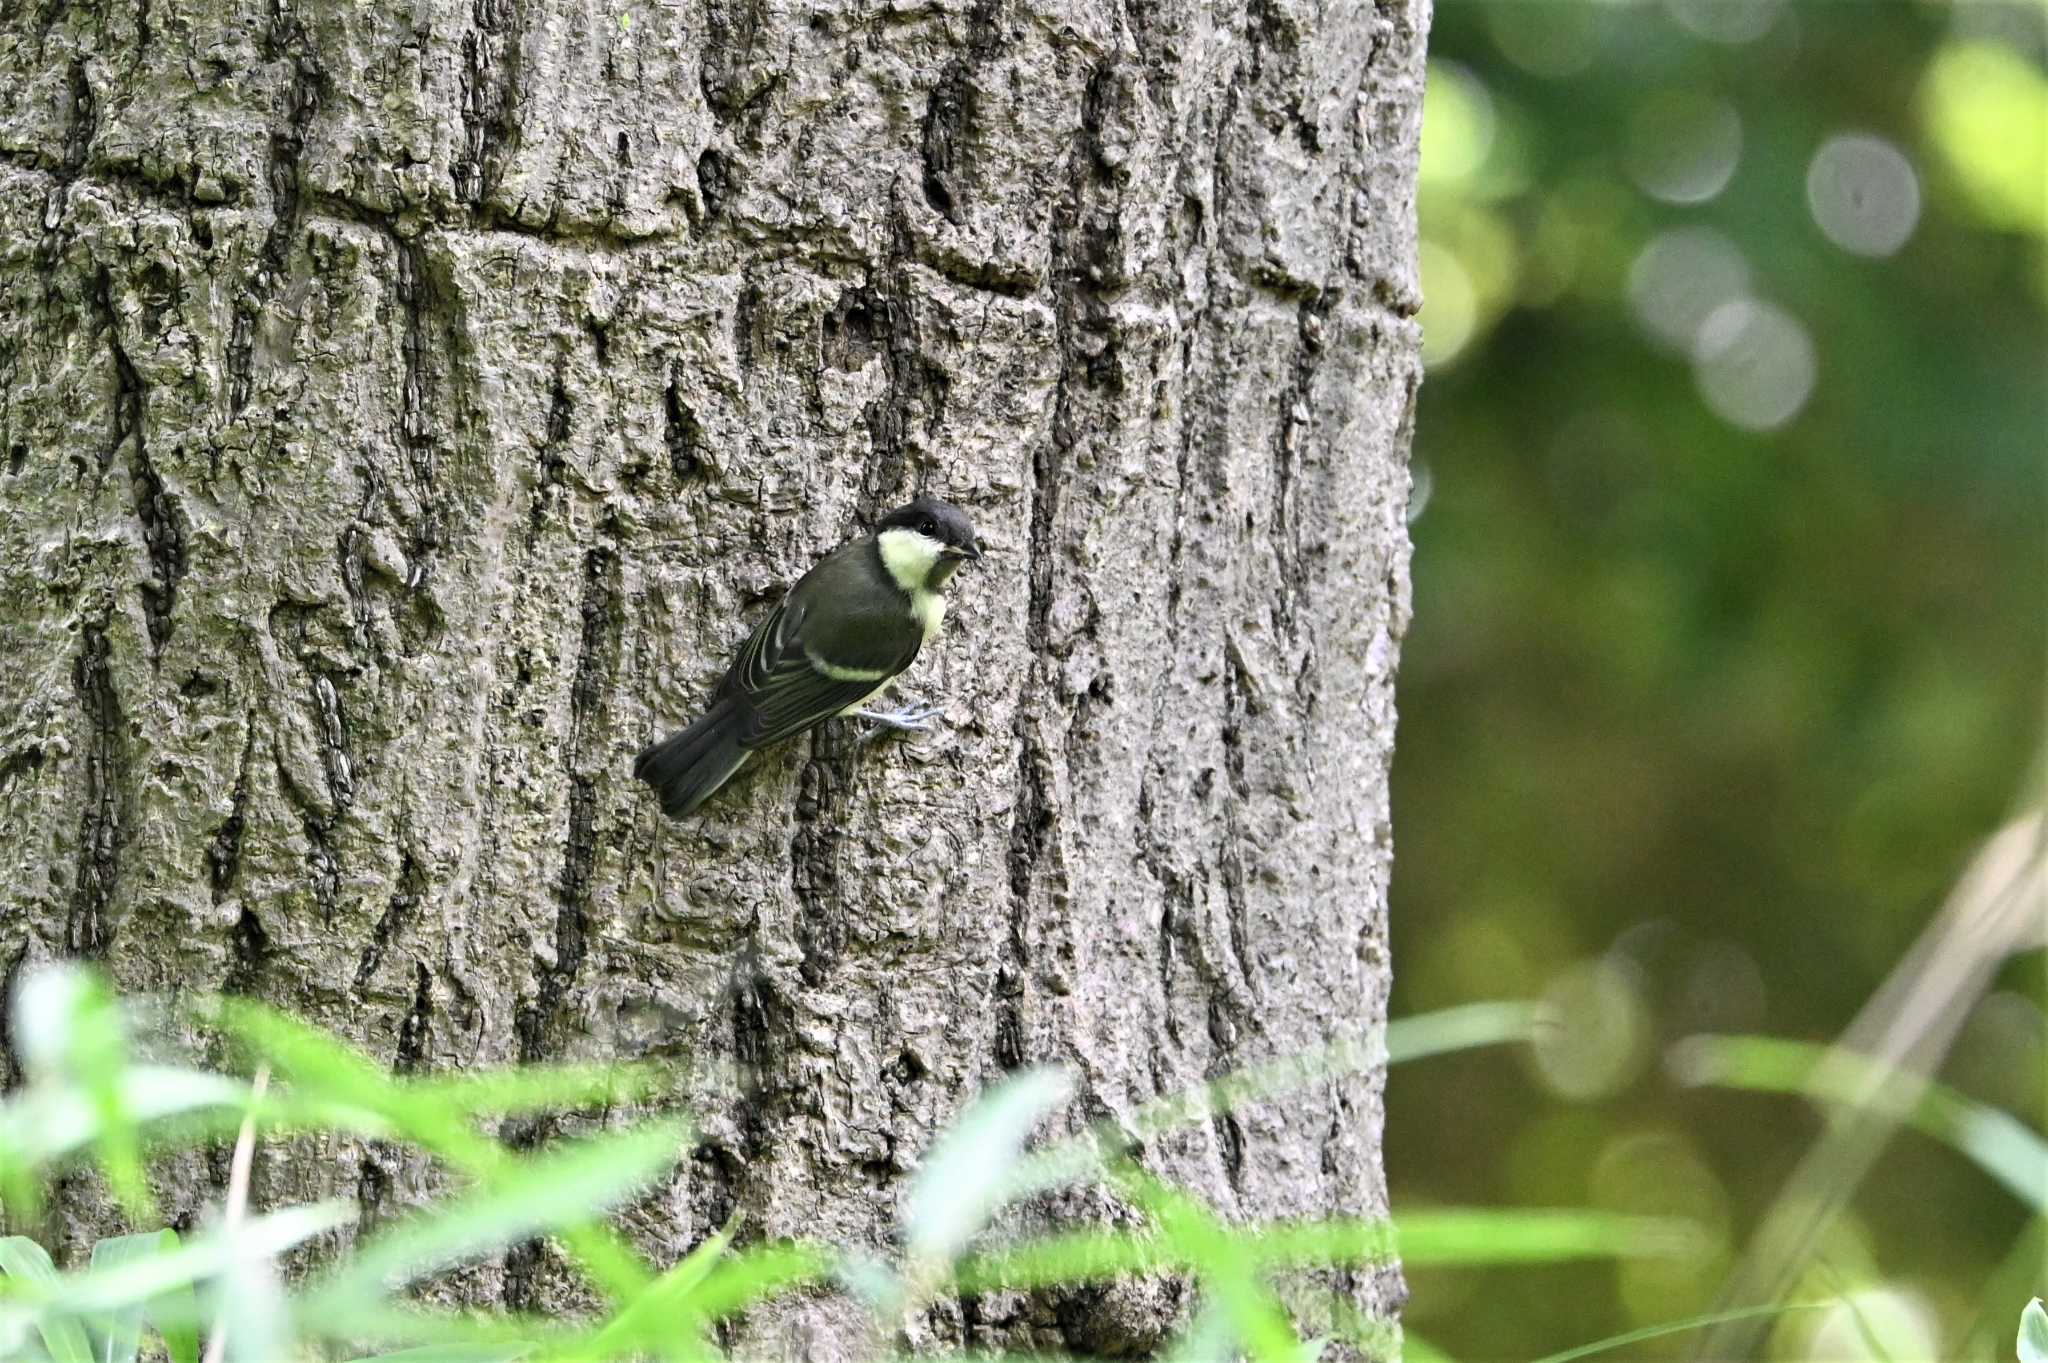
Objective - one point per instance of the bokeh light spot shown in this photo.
(1457, 124)
(1723, 991)
(1986, 108)
(1754, 363)
(1450, 308)
(1680, 278)
(1661, 1173)
(1864, 194)
(1725, 21)
(1421, 482)
(1592, 1032)
(1886, 1323)
(1682, 146)
(1553, 41)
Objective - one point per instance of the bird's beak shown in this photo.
(969, 552)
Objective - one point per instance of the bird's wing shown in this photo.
(803, 665)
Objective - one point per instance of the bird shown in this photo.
(848, 627)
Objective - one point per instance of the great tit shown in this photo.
(847, 628)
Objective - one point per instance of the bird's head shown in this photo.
(924, 542)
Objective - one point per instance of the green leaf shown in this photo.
(303, 1054)
(567, 1187)
(173, 1313)
(1996, 1141)
(1227, 1273)
(1463, 1028)
(962, 1181)
(146, 1278)
(1078, 1256)
(537, 1088)
(2033, 1340)
(440, 1114)
(1459, 1237)
(71, 1033)
(1438, 1033)
(50, 1120)
(23, 1259)
(1443, 1238)
(453, 1353)
(666, 1308)
(758, 1272)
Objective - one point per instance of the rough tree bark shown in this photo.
(404, 405)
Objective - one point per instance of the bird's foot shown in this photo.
(910, 719)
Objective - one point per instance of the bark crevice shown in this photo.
(224, 856)
(285, 41)
(490, 85)
(163, 536)
(102, 821)
(540, 1023)
(392, 923)
(316, 822)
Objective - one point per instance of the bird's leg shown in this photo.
(908, 719)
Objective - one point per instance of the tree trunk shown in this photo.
(406, 409)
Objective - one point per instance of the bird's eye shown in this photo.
(928, 526)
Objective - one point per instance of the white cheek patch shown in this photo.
(909, 557)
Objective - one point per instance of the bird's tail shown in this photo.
(687, 766)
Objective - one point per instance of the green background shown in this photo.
(1717, 675)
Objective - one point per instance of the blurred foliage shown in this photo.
(1729, 637)
(88, 1102)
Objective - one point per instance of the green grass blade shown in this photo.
(1995, 1141)
(439, 1114)
(302, 1053)
(98, 1063)
(1675, 1327)
(547, 1193)
(758, 1272)
(1448, 1238)
(117, 1336)
(29, 1263)
(1454, 1237)
(666, 1308)
(1466, 1027)
(1078, 1256)
(961, 1182)
(1219, 1258)
(1428, 1034)
(454, 1353)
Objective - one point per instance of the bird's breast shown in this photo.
(928, 608)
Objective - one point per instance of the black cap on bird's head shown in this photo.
(943, 534)
(936, 520)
